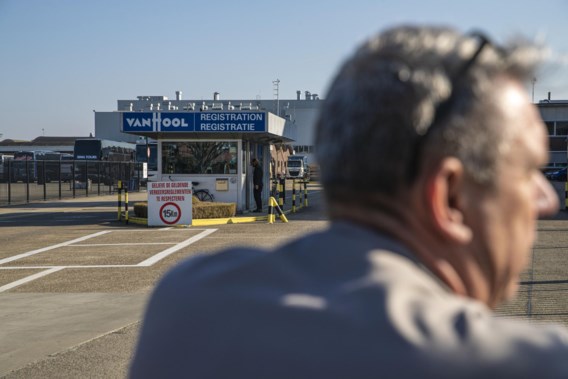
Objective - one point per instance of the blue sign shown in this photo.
(157, 121)
(231, 122)
(137, 122)
(174, 122)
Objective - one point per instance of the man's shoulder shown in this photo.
(312, 257)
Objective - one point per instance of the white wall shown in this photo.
(108, 125)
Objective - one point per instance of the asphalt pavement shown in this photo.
(74, 281)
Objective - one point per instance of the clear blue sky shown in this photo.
(62, 59)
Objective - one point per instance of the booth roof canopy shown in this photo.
(263, 137)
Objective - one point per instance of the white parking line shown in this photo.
(123, 244)
(30, 278)
(69, 266)
(150, 261)
(51, 269)
(34, 252)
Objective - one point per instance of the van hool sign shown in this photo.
(232, 122)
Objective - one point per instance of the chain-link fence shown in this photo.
(24, 181)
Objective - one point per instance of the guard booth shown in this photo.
(212, 148)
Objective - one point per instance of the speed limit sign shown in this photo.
(169, 203)
(170, 213)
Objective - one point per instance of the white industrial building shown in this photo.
(238, 130)
(555, 116)
(301, 114)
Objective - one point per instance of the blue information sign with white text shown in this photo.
(232, 122)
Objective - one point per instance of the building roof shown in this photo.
(41, 141)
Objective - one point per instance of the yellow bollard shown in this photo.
(119, 199)
(279, 210)
(293, 195)
(126, 204)
(270, 211)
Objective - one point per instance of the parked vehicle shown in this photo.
(35, 166)
(100, 160)
(67, 167)
(298, 167)
(557, 176)
(4, 161)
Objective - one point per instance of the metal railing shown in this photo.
(28, 181)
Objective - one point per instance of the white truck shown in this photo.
(4, 162)
(298, 167)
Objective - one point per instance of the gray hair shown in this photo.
(386, 97)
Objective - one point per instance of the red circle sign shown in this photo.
(170, 213)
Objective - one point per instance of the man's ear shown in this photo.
(446, 200)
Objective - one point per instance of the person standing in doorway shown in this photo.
(257, 182)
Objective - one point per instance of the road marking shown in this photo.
(124, 244)
(34, 252)
(150, 261)
(30, 278)
(51, 269)
(71, 266)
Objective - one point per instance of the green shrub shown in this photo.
(141, 209)
(205, 209)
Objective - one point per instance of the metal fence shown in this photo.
(27, 181)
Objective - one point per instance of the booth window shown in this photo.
(199, 158)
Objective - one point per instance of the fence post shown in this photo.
(27, 182)
(9, 181)
(73, 179)
(44, 179)
(139, 174)
(86, 178)
(99, 177)
(59, 177)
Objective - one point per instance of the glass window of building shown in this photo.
(562, 128)
(550, 127)
(199, 157)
